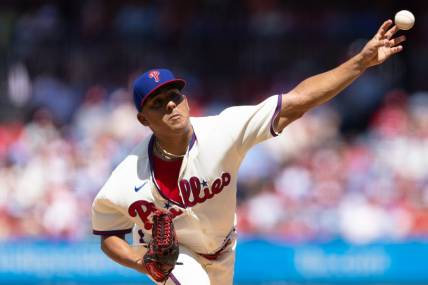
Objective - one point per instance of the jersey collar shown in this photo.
(151, 158)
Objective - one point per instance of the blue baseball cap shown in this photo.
(150, 81)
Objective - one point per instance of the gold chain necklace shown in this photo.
(165, 154)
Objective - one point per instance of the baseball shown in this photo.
(404, 20)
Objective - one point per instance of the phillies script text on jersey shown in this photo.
(191, 194)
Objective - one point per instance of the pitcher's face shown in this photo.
(166, 112)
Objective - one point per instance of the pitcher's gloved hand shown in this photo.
(162, 254)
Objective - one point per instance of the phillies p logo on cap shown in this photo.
(154, 74)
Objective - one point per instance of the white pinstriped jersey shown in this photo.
(207, 180)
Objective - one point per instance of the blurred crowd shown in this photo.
(313, 183)
(310, 183)
(354, 169)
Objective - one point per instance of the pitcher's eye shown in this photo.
(157, 103)
(176, 97)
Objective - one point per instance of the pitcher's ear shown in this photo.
(142, 119)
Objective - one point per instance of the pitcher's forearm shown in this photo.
(119, 250)
(320, 88)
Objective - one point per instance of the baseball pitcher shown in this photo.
(176, 191)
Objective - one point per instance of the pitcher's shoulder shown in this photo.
(141, 149)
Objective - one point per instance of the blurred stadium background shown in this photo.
(340, 197)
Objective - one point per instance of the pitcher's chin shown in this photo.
(180, 127)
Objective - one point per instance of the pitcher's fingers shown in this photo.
(384, 28)
(380, 43)
(396, 49)
(397, 41)
(391, 32)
